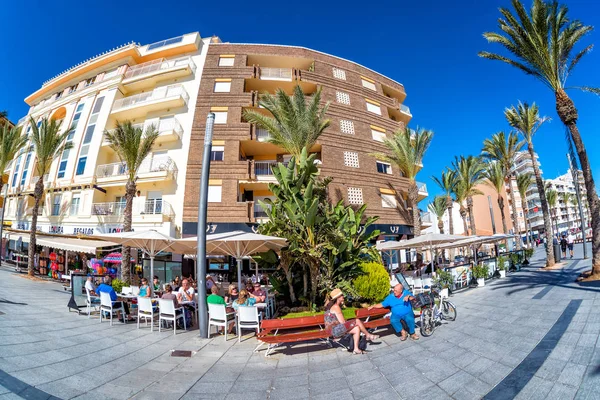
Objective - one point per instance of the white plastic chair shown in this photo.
(145, 311)
(247, 319)
(418, 286)
(410, 281)
(218, 316)
(90, 303)
(427, 282)
(135, 290)
(107, 305)
(168, 312)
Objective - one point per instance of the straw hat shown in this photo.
(335, 293)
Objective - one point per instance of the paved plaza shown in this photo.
(532, 335)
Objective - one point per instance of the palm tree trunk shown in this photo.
(285, 263)
(314, 280)
(305, 282)
(527, 229)
(450, 222)
(471, 216)
(441, 226)
(37, 194)
(568, 115)
(413, 198)
(463, 215)
(127, 218)
(502, 213)
(513, 207)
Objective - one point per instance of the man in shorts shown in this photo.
(570, 242)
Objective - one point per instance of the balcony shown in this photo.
(150, 73)
(404, 109)
(160, 98)
(275, 74)
(262, 135)
(426, 219)
(152, 169)
(154, 209)
(259, 212)
(422, 190)
(169, 130)
(264, 170)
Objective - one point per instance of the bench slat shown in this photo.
(294, 337)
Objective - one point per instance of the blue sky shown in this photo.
(431, 47)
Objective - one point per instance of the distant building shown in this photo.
(567, 216)
(524, 165)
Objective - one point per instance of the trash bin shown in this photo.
(556, 253)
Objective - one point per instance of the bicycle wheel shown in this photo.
(448, 311)
(427, 322)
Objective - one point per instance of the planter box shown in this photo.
(502, 274)
(481, 282)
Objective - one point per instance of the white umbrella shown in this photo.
(428, 240)
(150, 242)
(237, 244)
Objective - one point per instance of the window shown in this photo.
(222, 86)
(58, 95)
(74, 210)
(347, 126)
(217, 153)
(214, 194)
(226, 61)
(72, 89)
(355, 195)
(56, 204)
(111, 73)
(373, 107)
(384, 168)
(351, 159)
(378, 135)
(369, 84)
(81, 166)
(220, 117)
(339, 73)
(25, 169)
(388, 200)
(16, 172)
(90, 82)
(89, 133)
(343, 98)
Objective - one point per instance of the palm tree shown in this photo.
(567, 198)
(132, 146)
(48, 144)
(523, 183)
(469, 174)
(526, 120)
(504, 149)
(495, 178)
(460, 196)
(11, 142)
(407, 148)
(552, 198)
(446, 182)
(542, 44)
(438, 207)
(297, 122)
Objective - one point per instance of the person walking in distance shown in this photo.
(570, 243)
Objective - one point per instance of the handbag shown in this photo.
(348, 342)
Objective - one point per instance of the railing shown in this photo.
(421, 187)
(262, 135)
(405, 109)
(151, 164)
(259, 212)
(426, 218)
(55, 209)
(276, 74)
(160, 93)
(21, 120)
(158, 65)
(263, 168)
(35, 179)
(148, 207)
(170, 125)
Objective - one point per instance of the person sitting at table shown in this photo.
(89, 285)
(232, 294)
(249, 286)
(258, 294)
(210, 282)
(243, 300)
(169, 295)
(176, 284)
(156, 283)
(144, 288)
(186, 292)
(107, 288)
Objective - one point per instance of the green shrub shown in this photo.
(515, 259)
(374, 284)
(444, 278)
(480, 271)
(118, 284)
(501, 260)
(528, 253)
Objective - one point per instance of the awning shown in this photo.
(62, 243)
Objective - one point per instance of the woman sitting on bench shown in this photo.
(337, 326)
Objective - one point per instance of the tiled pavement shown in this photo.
(531, 335)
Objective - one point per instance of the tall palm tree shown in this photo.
(446, 182)
(438, 207)
(460, 196)
(523, 183)
(504, 149)
(469, 174)
(494, 174)
(527, 121)
(542, 44)
(48, 144)
(296, 122)
(132, 145)
(567, 198)
(552, 198)
(407, 148)
(11, 142)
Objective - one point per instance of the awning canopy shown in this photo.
(63, 243)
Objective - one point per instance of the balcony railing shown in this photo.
(421, 187)
(159, 65)
(259, 212)
(426, 218)
(35, 179)
(405, 109)
(265, 168)
(148, 207)
(160, 93)
(276, 74)
(152, 164)
(262, 135)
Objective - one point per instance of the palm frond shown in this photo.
(11, 142)
(48, 143)
(438, 206)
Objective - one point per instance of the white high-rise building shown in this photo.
(566, 215)
(524, 165)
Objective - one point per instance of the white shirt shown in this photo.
(190, 293)
(90, 286)
(570, 239)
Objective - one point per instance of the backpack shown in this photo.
(348, 342)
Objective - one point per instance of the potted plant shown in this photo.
(445, 280)
(501, 261)
(515, 262)
(528, 255)
(480, 272)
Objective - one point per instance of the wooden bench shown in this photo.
(373, 319)
(275, 332)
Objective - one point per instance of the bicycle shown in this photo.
(431, 313)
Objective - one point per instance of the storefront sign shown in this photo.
(56, 229)
(83, 231)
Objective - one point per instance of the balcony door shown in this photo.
(153, 202)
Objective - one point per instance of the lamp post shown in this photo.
(575, 174)
(202, 205)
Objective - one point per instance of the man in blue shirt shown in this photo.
(399, 303)
(107, 288)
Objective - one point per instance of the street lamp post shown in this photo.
(202, 205)
(575, 174)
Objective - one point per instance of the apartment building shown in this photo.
(365, 108)
(155, 84)
(532, 205)
(566, 216)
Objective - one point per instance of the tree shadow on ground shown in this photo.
(12, 302)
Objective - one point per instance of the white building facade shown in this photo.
(532, 205)
(566, 216)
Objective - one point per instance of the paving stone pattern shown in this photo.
(510, 340)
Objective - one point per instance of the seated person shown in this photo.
(249, 287)
(89, 285)
(243, 300)
(214, 298)
(169, 295)
(258, 294)
(210, 282)
(144, 288)
(232, 294)
(156, 283)
(176, 284)
(107, 288)
(399, 302)
(186, 292)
